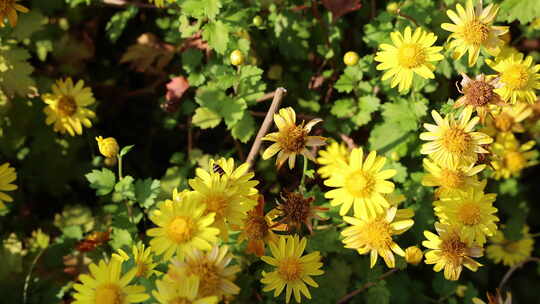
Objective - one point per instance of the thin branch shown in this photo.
(278, 96)
(350, 295)
(407, 17)
(349, 141)
(127, 3)
(266, 97)
(511, 271)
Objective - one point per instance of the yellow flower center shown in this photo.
(210, 277)
(451, 179)
(360, 183)
(142, 269)
(515, 77)
(293, 139)
(66, 106)
(475, 32)
(378, 234)
(478, 93)
(453, 249)
(504, 122)
(456, 141)
(217, 203)
(411, 55)
(290, 269)
(256, 228)
(511, 246)
(469, 214)
(181, 229)
(295, 209)
(109, 294)
(515, 161)
(180, 301)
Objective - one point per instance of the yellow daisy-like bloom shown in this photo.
(66, 107)
(183, 226)
(508, 119)
(7, 176)
(479, 93)
(510, 252)
(453, 142)
(411, 53)
(413, 255)
(520, 78)
(450, 251)
(143, 258)
(374, 235)
(450, 179)
(472, 211)
(183, 291)
(511, 157)
(472, 29)
(9, 8)
(213, 270)
(361, 184)
(108, 147)
(293, 270)
(329, 159)
(495, 298)
(291, 139)
(229, 194)
(107, 285)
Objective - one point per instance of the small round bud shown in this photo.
(237, 58)
(257, 21)
(350, 58)
(108, 147)
(394, 156)
(392, 7)
(413, 255)
(110, 161)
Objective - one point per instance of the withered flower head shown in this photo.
(295, 210)
(479, 93)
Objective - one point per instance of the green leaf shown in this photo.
(125, 150)
(15, 71)
(343, 108)
(205, 118)
(201, 8)
(191, 59)
(378, 294)
(146, 192)
(43, 47)
(102, 181)
(124, 189)
(73, 232)
(216, 33)
(28, 24)
(251, 86)
(523, 10)
(231, 110)
(120, 238)
(366, 106)
(244, 129)
(405, 113)
(116, 25)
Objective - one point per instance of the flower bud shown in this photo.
(413, 255)
(350, 58)
(392, 7)
(108, 147)
(237, 58)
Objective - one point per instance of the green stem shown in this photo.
(302, 187)
(27, 279)
(119, 166)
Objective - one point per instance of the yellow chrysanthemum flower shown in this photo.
(472, 29)
(107, 285)
(411, 53)
(510, 252)
(361, 184)
(453, 142)
(374, 235)
(108, 147)
(471, 211)
(450, 251)
(7, 176)
(229, 194)
(495, 298)
(291, 139)
(479, 93)
(9, 8)
(510, 157)
(143, 258)
(66, 107)
(450, 179)
(293, 270)
(329, 158)
(213, 270)
(507, 119)
(413, 255)
(183, 291)
(183, 226)
(520, 78)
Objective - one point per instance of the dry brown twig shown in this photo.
(367, 285)
(510, 271)
(278, 96)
